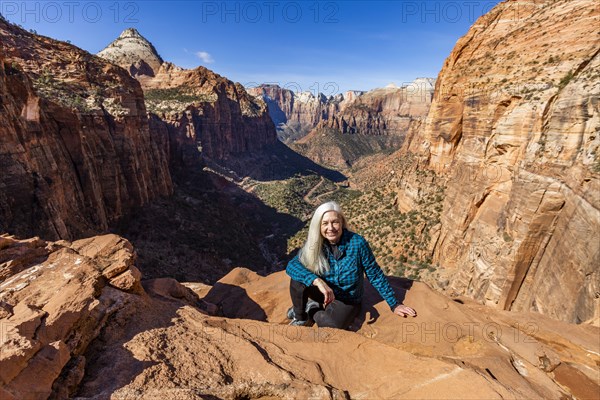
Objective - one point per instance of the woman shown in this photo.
(328, 274)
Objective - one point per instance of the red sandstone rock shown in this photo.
(129, 281)
(513, 131)
(450, 350)
(339, 130)
(75, 147)
(162, 343)
(57, 307)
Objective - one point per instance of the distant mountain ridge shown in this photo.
(296, 114)
(339, 130)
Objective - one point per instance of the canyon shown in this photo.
(146, 210)
(76, 148)
(82, 154)
(338, 130)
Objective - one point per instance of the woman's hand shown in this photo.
(325, 289)
(404, 311)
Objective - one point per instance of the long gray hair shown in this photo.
(311, 254)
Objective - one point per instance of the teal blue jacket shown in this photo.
(346, 274)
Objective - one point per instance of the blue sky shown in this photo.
(326, 46)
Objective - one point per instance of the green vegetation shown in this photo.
(173, 99)
(11, 68)
(596, 164)
(361, 106)
(170, 94)
(565, 80)
(47, 86)
(331, 146)
(542, 144)
(288, 196)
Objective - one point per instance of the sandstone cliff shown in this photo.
(296, 114)
(376, 121)
(383, 111)
(77, 323)
(75, 145)
(514, 131)
(218, 115)
(200, 107)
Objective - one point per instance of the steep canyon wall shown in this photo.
(75, 145)
(514, 129)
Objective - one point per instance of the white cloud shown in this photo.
(205, 57)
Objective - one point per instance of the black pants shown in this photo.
(336, 315)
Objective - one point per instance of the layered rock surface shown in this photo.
(383, 111)
(75, 145)
(216, 114)
(296, 114)
(339, 130)
(53, 305)
(514, 130)
(78, 320)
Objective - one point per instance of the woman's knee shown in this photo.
(336, 315)
(324, 320)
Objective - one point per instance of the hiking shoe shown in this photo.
(290, 313)
(310, 305)
(299, 322)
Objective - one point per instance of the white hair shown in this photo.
(311, 254)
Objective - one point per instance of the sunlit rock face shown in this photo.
(515, 129)
(382, 111)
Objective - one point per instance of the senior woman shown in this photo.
(328, 274)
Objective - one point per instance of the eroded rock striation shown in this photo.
(384, 111)
(296, 114)
(216, 114)
(55, 304)
(339, 130)
(514, 130)
(76, 149)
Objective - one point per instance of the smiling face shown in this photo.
(331, 226)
